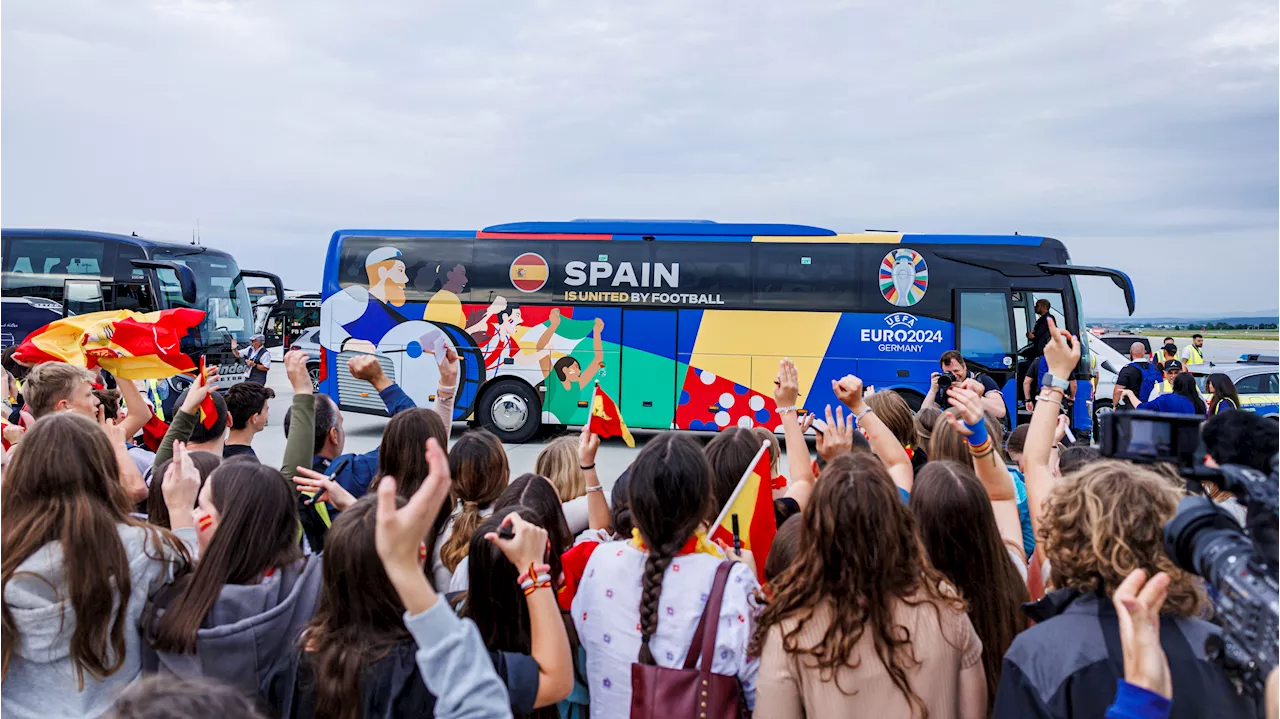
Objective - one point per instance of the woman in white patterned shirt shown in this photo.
(640, 600)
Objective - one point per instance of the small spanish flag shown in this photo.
(752, 504)
(529, 272)
(208, 410)
(129, 345)
(606, 420)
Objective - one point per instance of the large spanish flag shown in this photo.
(129, 345)
(606, 420)
(752, 502)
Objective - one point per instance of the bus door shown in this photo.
(648, 368)
(984, 336)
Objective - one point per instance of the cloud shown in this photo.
(1142, 134)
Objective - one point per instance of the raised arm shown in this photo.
(184, 422)
(139, 411)
(1062, 353)
(130, 478)
(930, 400)
(549, 643)
(598, 360)
(300, 445)
(849, 391)
(987, 464)
(447, 387)
(598, 516)
(786, 393)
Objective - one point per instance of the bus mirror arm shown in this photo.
(274, 279)
(1120, 279)
(186, 278)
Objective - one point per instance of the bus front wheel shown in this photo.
(510, 409)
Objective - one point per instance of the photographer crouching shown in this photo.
(956, 372)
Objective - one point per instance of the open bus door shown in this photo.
(984, 337)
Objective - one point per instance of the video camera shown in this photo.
(1239, 564)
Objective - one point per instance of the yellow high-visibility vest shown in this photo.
(1194, 355)
(153, 394)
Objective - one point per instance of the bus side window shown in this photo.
(805, 277)
(984, 328)
(37, 267)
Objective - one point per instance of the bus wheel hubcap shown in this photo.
(510, 412)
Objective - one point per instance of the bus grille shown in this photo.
(356, 393)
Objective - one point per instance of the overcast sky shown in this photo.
(1142, 134)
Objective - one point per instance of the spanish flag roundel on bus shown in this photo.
(529, 272)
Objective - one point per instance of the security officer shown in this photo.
(1194, 352)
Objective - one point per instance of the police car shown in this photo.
(1257, 381)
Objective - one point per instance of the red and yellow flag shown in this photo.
(208, 410)
(752, 502)
(606, 420)
(129, 345)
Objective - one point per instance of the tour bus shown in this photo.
(282, 322)
(683, 323)
(94, 271)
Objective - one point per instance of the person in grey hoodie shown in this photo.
(243, 606)
(77, 569)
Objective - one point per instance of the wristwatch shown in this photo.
(1056, 382)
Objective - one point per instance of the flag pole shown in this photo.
(724, 511)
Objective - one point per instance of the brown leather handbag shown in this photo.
(693, 692)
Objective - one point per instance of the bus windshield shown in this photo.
(220, 291)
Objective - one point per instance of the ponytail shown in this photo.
(456, 546)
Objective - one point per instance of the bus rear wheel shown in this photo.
(510, 409)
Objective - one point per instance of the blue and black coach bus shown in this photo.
(682, 322)
(93, 271)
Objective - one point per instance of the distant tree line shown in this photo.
(1228, 326)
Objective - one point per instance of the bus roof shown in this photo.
(696, 231)
(94, 235)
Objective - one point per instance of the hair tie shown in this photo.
(466, 503)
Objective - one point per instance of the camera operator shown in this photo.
(1237, 437)
(955, 371)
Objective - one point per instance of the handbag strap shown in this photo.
(704, 637)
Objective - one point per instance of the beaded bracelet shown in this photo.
(533, 571)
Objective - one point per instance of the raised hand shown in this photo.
(1060, 431)
(968, 402)
(295, 365)
(848, 390)
(400, 531)
(367, 368)
(323, 485)
(200, 390)
(448, 368)
(838, 438)
(1062, 353)
(181, 486)
(528, 546)
(1138, 603)
(13, 433)
(588, 445)
(786, 387)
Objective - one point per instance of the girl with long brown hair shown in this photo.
(861, 624)
(77, 569)
(959, 533)
(355, 658)
(641, 600)
(478, 464)
(243, 606)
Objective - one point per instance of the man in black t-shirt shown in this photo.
(1130, 377)
(954, 365)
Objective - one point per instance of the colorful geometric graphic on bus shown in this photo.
(529, 272)
(904, 277)
(710, 402)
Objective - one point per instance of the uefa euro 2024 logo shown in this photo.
(900, 320)
(904, 277)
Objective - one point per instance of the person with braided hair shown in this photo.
(621, 621)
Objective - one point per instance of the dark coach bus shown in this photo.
(95, 271)
(682, 322)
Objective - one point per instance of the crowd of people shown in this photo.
(926, 564)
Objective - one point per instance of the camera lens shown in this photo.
(1200, 537)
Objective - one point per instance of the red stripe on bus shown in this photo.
(537, 236)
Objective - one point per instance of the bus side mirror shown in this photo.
(186, 278)
(1106, 365)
